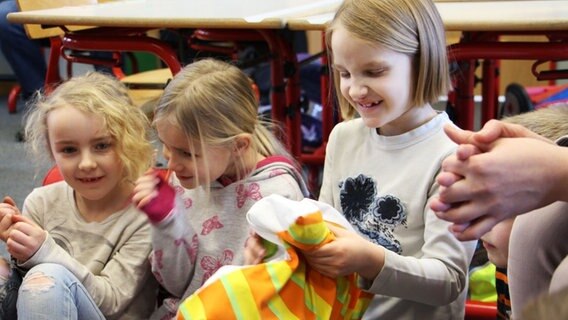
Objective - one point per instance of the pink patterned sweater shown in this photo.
(203, 233)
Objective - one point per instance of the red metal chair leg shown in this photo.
(13, 98)
(490, 91)
(464, 96)
(278, 84)
(52, 76)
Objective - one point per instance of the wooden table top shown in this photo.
(465, 15)
(269, 14)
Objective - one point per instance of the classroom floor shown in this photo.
(18, 173)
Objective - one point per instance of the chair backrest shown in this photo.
(52, 176)
(35, 31)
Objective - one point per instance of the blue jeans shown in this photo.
(50, 291)
(9, 295)
(25, 56)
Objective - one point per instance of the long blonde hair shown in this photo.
(213, 102)
(411, 27)
(100, 95)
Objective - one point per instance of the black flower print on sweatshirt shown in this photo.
(375, 216)
(356, 197)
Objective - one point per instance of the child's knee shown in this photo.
(37, 282)
(41, 278)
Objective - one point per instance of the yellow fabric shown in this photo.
(482, 283)
(281, 289)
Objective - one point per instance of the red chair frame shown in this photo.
(474, 46)
(477, 310)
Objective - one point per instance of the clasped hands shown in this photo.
(22, 236)
(499, 172)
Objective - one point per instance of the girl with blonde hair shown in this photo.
(389, 66)
(223, 160)
(80, 245)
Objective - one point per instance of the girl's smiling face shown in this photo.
(377, 82)
(85, 153)
(193, 167)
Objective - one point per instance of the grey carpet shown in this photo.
(18, 172)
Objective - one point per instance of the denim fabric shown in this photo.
(25, 56)
(50, 291)
(9, 296)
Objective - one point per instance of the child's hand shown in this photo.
(24, 238)
(145, 189)
(5, 223)
(154, 196)
(10, 201)
(347, 254)
(7, 210)
(254, 250)
(8, 206)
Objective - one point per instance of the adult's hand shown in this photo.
(499, 180)
(491, 131)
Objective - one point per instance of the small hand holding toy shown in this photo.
(154, 196)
